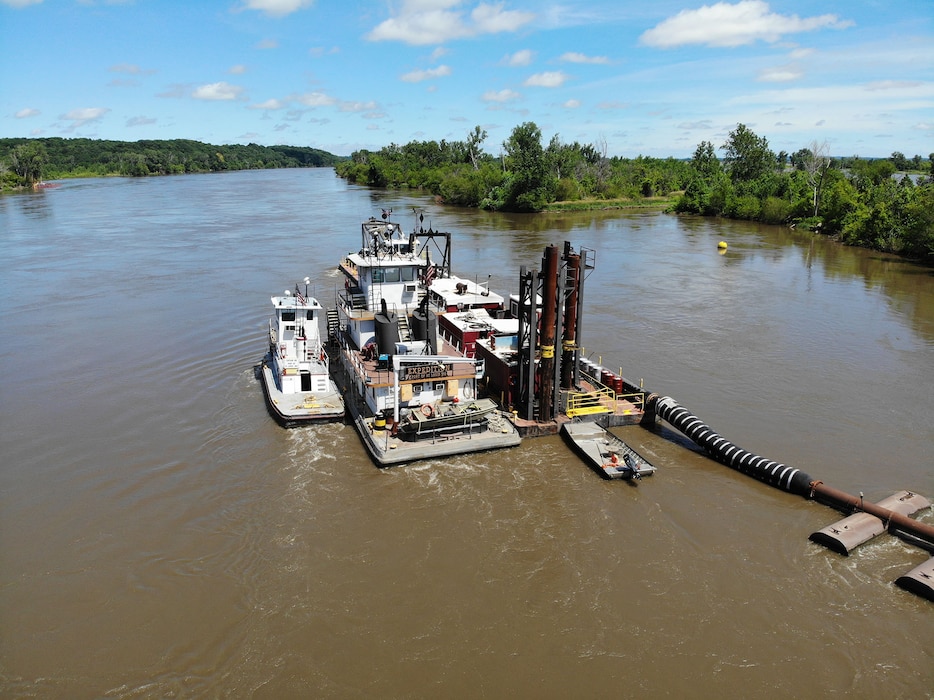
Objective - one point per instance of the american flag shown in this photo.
(429, 275)
(299, 296)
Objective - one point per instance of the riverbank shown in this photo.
(652, 203)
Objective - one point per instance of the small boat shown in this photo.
(609, 455)
(431, 418)
(295, 373)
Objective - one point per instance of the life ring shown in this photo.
(427, 410)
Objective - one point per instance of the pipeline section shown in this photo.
(780, 475)
(773, 473)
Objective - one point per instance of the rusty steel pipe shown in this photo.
(893, 521)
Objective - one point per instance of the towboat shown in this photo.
(295, 372)
(608, 454)
(411, 393)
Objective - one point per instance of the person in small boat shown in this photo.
(614, 461)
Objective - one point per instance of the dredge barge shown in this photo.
(423, 351)
(411, 393)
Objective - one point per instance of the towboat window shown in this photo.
(391, 274)
(288, 315)
(310, 315)
(408, 274)
(378, 275)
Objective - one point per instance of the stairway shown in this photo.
(405, 332)
(334, 324)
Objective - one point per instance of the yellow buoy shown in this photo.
(722, 245)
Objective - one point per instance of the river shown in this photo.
(161, 536)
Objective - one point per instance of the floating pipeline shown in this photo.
(773, 473)
(780, 475)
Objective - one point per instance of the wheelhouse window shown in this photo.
(288, 315)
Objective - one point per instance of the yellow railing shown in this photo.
(587, 403)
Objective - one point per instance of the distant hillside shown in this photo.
(80, 157)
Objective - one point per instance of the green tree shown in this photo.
(747, 156)
(27, 161)
(705, 162)
(530, 185)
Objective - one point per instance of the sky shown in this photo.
(630, 78)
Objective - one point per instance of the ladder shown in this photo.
(334, 324)
(405, 332)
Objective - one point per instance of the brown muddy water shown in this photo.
(161, 536)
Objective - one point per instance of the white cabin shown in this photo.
(299, 360)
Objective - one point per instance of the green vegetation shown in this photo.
(23, 162)
(857, 201)
(525, 177)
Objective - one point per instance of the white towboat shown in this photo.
(295, 373)
(608, 454)
(411, 393)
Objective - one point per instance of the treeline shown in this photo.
(857, 201)
(526, 176)
(26, 161)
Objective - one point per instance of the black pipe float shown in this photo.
(773, 473)
(780, 475)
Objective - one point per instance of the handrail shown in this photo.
(601, 400)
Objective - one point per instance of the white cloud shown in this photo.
(572, 104)
(238, 69)
(357, 106)
(315, 99)
(20, 3)
(723, 24)
(548, 79)
(493, 19)
(269, 104)
(574, 57)
(417, 76)
(276, 8)
(426, 22)
(140, 121)
(519, 58)
(267, 44)
(217, 91)
(703, 125)
(779, 74)
(26, 113)
(83, 116)
(893, 84)
(500, 96)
